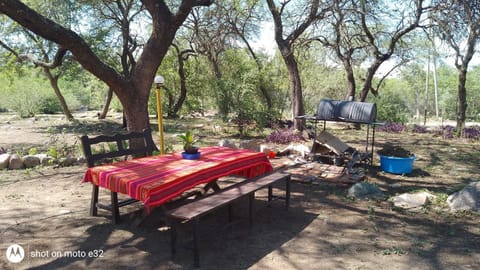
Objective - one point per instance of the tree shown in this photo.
(30, 48)
(133, 88)
(117, 16)
(182, 57)
(359, 34)
(458, 24)
(286, 44)
(209, 35)
(244, 18)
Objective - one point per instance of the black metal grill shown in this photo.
(346, 111)
(330, 110)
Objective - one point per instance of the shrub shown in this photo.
(393, 127)
(284, 136)
(419, 129)
(50, 105)
(472, 132)
(447, 132)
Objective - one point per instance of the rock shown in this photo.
(365, 190)
(45, 160)
(81, 160)
(67, 161)
(412, 200)
(15, 162)
(253, 145)
(30, 161)
(226, 143)
(4, 161)
(467, 199)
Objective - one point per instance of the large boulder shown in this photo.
(364, 190)
(30, 161)
(467, 199)
(15, 163)
(4, 161)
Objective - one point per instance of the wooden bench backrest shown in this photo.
(122, 146)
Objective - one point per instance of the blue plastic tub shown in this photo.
(396, 165)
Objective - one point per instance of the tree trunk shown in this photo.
(461, 100)
(183, 87)
(350, 78)
(296, 94)
(54, 83)
(104, 112)
(369, 78)
(136, 114)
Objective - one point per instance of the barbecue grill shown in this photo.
(362, 113)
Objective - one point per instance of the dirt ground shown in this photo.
(45, 210)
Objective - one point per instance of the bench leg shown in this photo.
(251, 198)
(230, 213)
(196, 255)
(287, 191)
(173, 239)
(115, 211)
(94, 200)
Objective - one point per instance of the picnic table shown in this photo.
(156, 180)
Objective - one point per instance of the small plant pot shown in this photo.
(191, 156)
(396, 165)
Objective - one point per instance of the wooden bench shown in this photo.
(196, 209)
(118, 147)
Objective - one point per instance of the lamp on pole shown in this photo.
(159, 82)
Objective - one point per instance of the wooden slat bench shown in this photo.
(123, 150)
(194, 210)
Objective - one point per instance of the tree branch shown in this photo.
(66, 38)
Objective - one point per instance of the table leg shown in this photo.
(270, 193)
(94, 200)
(212, 185)
(115, 211)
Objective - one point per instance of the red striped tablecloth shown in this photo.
(155, 180)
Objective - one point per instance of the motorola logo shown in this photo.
(15, 253)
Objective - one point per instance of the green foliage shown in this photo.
(50, 105)
(392, 109)
(52, 151)
(188, 139)
(32, 151)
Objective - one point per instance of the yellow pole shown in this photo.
(160, 119)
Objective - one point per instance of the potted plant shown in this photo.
(190, 150)
(396, 159)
